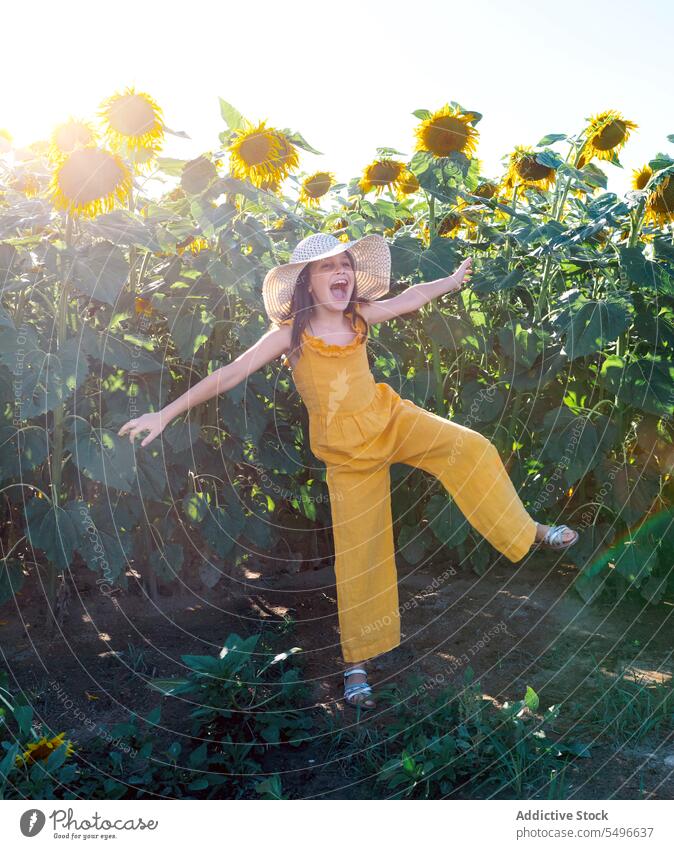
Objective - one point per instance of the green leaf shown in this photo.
(22, 450)
(446, 520)
(645, 383)
(232, 117)
(122, 227)
(588, 325)
(191, 330)
(633, 488)
(168, 562)
(531, 699)
(100, 271)
(521, 344)
(56, 535)
(103, 456)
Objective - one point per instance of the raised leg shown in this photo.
(471, 470)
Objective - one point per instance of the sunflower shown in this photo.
(485, 190)
(380, 174)
(449, 224)
(88, 181)
(69, 136)
(315, 187)
(197, 175)
(641, 176)
(143, 306)
(447, 131)
(195, 245)
(262, 155)
(660, 202)
(42, 749)
(407, 184)
(5, 141)
(25, 183)
(133, 122)
(606, 134)
(525, 170)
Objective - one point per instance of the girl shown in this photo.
(322, 304)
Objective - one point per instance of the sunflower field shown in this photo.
(115, 300)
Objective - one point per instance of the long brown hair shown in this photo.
(302, 303)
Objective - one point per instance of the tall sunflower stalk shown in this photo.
(59, 410)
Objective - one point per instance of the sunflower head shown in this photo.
(449, 224)
(88, 181)
(261, 155)
(407, 184)
(69, 136)
(606, 134)
(640, 177)
(525, 170)
(447, 131)
(315, 187)
(133, 122)
(660, 202)
(42, 749)
(485, 190)
(26, 183)
(197, 175)
(381, 174)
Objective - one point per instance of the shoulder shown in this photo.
(360, 316)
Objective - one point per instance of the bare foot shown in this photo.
(357, 678)
(541, 531)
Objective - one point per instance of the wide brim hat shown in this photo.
(372, 260)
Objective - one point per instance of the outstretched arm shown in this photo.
(416, 296)
(274, 343)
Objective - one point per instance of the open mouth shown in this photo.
(339, 289)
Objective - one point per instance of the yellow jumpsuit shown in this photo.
(358, 428)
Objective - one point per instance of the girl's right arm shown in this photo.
(270, 346)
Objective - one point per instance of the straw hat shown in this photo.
(372, 260)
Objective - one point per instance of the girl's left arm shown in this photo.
(416, 296)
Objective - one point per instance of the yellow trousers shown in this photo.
(358, 461)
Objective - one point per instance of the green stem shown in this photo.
(59, 410)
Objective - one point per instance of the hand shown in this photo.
(463, 272)
(153, 422)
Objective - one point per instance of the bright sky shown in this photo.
(349, 82)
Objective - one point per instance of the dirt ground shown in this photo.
(517, 625)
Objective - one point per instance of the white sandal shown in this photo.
(351, 690)
(554, 538)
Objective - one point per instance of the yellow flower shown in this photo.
(42, 749)
(407, 184)
(449, 224)
(5, 141)
(640, 176)
(25, 183)
(195, 244)
(660, 202)
(69, 136)
(315, 187)
(447, 131)
(343, 237)
(88, 181)
(380, 174)
(143, 306)
(262, 155)
(525, 170)
(606, 134)
(133, 123)
(485, 190)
